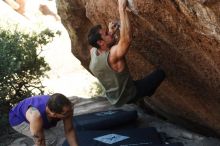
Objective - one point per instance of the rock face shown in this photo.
(181, 36)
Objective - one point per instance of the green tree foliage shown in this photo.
(21, 67)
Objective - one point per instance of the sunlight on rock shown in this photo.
(66, 76)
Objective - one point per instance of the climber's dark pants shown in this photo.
(148, 85)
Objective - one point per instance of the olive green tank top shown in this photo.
(119, 86)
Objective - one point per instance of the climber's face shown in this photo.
(106, 37)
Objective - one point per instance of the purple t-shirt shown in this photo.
(17, 113)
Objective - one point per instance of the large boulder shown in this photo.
(182, 37)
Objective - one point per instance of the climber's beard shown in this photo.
(112, 43)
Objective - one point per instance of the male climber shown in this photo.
(108, 62)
